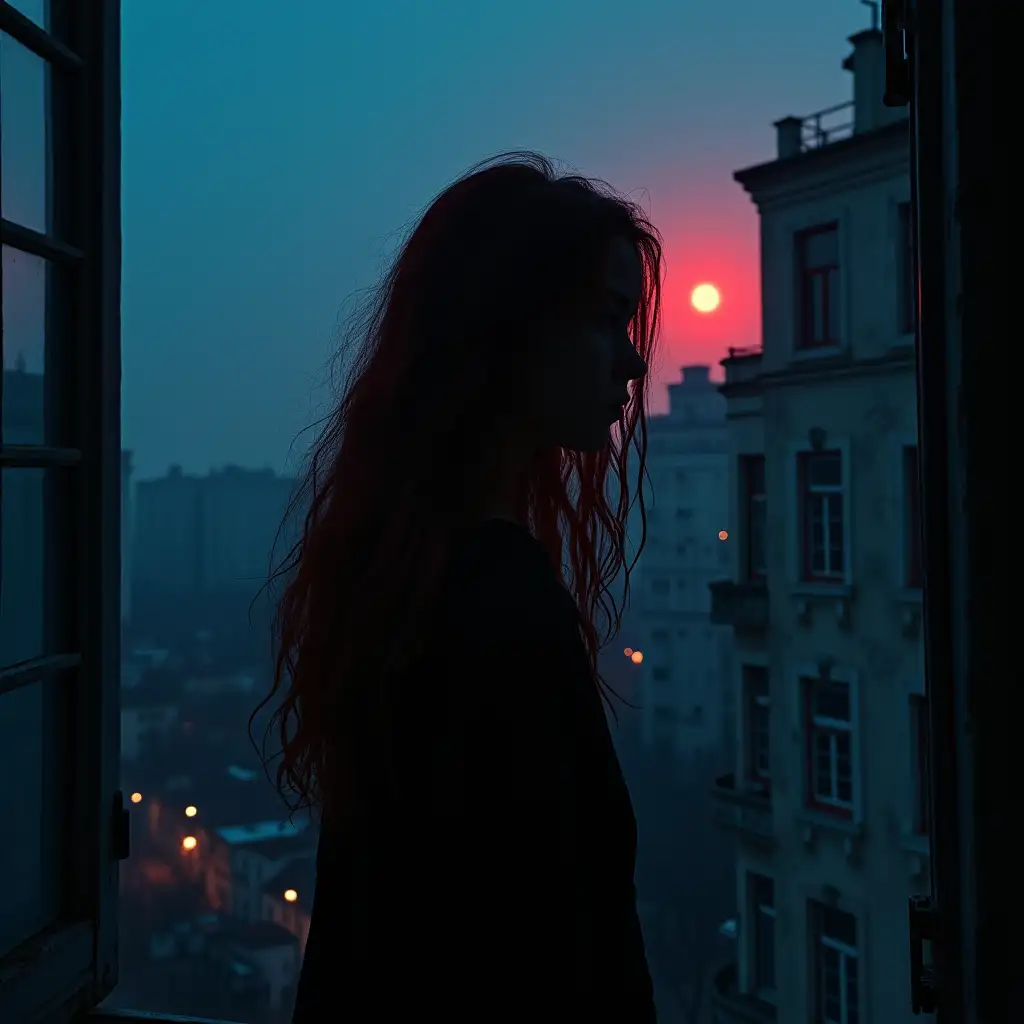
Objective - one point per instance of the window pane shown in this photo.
(32, 750)
(825, 470)
(35, 10)
(28, 501)
(31, 311)
(26, 159)
(820, 249)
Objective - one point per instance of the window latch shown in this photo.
(897, 67)
(120, 823)
(923, 928)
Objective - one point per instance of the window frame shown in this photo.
(906, 296)
(913, 544)
(754, 506)
(805, 275)
(752, 703)
(805, 491)
(72, 964)
(822, 942)
(759, 910)
(851, 815)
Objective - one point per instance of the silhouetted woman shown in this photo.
(437, 665)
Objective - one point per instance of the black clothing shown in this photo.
(497, 885)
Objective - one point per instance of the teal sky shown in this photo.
(273, 153)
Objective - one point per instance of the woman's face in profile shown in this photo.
(587, 367)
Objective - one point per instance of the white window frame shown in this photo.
(899, 337)
(823, 944)
(72, 965)
(795, 454)
(848, 677)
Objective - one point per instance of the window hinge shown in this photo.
(923, 928)
(121, 828)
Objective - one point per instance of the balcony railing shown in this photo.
(743, 809)
(742, 364)
(730, 1006)
(744, 606)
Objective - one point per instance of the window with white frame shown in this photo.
(830, 745)
(836, 974)
(762, 910)
(822, 516)
(758, 724)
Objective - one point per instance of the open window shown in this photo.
(59, 507)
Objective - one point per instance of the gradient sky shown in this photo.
(273, 153)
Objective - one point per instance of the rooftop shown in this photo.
(261, 832)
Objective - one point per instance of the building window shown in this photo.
(754, 511)
(829, 751)
(912, 489)
(762, 909)
(817, 254)
(758, 708)
(921, 733)
(835, 974)
(905, 271)
(822, 516)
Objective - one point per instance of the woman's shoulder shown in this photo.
(499, 570)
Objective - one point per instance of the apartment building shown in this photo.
(826, 798)
(686, 657)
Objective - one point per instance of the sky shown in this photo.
(272, 161)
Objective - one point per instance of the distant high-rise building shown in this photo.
(686, 674)
(201, 535)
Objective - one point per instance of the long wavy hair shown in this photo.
(496, 259)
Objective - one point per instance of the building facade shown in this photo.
(826, 798)
(202, 535)
(686, 658)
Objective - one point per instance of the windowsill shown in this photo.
(809, 588)
(817, 823)
(915, 842)
(818, 352)
(101, 1016)
(903, 340)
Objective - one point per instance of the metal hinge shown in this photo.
(121, 827)
(923, 929)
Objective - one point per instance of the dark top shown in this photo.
(497, 883)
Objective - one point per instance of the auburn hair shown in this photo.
(502, 253)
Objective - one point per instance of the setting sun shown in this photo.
(705, 298)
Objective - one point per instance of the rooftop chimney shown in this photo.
(867, 62)
(696, 376)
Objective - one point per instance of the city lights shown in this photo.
(291, 895)
(189, 843)
(723, 534)
(628, 652)
(636, 657)
(190, 811)
(136, 798)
